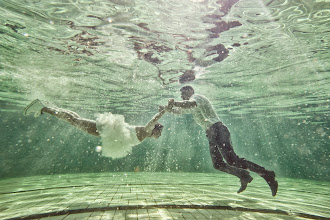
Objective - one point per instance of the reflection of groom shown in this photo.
(219, 139)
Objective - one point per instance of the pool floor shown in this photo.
(144, 195)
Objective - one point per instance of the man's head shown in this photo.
(157, 131)
(186, 92)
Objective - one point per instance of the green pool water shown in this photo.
(263, 64)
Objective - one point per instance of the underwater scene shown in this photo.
(164, 109)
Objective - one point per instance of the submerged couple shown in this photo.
(118, 137)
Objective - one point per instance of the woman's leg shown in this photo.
(73, 118)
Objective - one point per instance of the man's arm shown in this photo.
(183, 107)
(187, 104)
(178, 111)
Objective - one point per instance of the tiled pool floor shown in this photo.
(159, 196)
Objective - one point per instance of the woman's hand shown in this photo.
(161, 108)
(168, 108)
(170, 103)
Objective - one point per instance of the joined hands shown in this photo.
(168, 107)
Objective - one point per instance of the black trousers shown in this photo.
(221, 148)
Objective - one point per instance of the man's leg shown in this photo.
(73, 118)
(219, 164)
(227, 151)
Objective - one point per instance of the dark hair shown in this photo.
(157, 126)
(187, 88)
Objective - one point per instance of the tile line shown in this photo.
(123, 184)
(133, 207)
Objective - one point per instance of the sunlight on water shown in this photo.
(264, 65)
